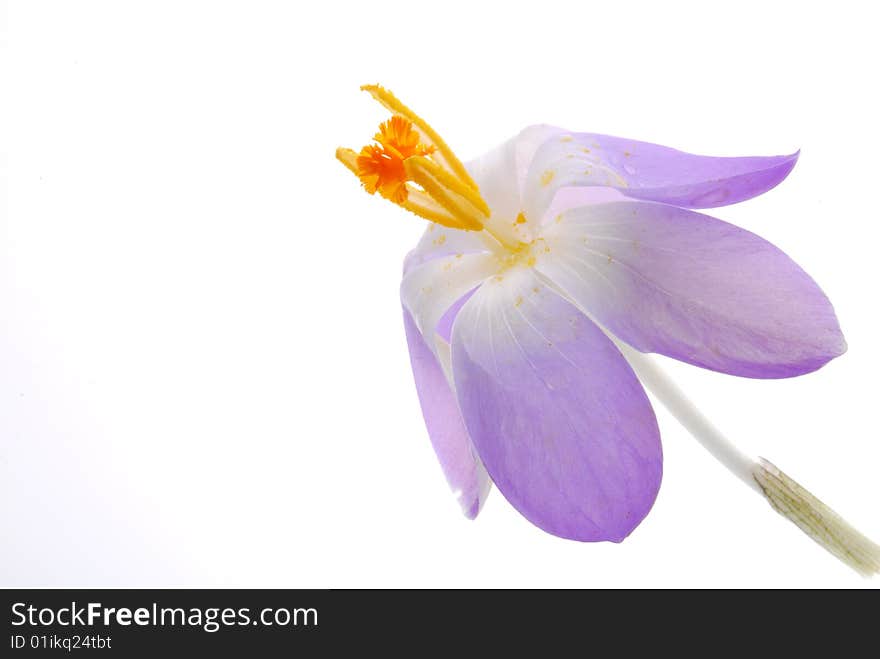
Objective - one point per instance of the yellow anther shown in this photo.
(422, 205)
(380, 166)
(407, 152)
(444, 155)
(451, 194)
(348, 158)
(417, 201)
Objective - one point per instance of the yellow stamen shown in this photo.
(446, 191)
(407, 152)
(423, 206)
(348, 158)
(445, 156)
(417, 201)
(419, 163)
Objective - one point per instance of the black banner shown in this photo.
(131, 623)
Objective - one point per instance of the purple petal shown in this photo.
(646, 171)
(429, 290)
(444, 326)
(463, 471)
(686, 285)
(554, 411)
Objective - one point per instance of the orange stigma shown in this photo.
(412, 166)
(380, 166)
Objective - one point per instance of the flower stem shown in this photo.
(785, 495)
(674, 399)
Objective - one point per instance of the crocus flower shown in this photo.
(550, 266)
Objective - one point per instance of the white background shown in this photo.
(203, 373)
